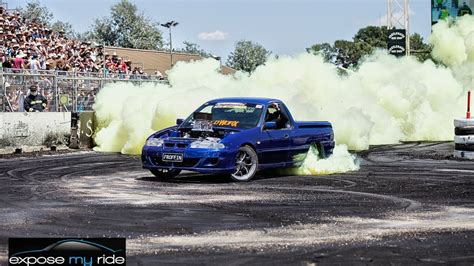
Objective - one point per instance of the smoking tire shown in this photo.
(321, 151)
(165, 173)
(246, 164)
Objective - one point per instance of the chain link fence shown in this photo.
(64, 91)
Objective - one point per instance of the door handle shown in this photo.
(286, 136)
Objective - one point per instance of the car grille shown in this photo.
(176, 145)
(187, 162)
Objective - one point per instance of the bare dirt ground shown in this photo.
(409, 203)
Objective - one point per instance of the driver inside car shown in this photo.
(274, 114)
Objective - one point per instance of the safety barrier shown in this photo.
(464, 134)
(47, 129)
(464, 138)
(34, 129)
(64, 91)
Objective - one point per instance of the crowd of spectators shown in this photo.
(30, 47)
(26, 44)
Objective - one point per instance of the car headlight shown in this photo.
(206, 145)
(154, 142)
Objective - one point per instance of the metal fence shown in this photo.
(65, 91)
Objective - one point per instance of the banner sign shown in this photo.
(397, 42)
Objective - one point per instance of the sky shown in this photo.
(285, 27)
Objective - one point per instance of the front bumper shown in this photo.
(198, 160)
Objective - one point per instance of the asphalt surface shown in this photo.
(408, 204)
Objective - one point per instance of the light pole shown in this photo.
(169, 25)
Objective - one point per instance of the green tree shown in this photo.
(194, 48)
(323, 49)
(36, 12)
(375, 37)
(349, 53)
(126, 27)
(41, 14)
(64, 26)
(247, 56)
(419, 48)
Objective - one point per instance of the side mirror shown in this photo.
(270, 125)
(179, 121)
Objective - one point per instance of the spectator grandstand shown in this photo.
(68, 72)
(28, 45)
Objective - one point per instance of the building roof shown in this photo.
(152, 60)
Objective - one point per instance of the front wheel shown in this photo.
(246, 164)
(165, 173)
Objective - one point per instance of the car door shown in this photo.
(275, 145)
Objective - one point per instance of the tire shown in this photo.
(246, 164)
(165, 173)
(464, 147)
(466, 139)
(464, 154)
(321, 151)
(463, 122)
(463, 131)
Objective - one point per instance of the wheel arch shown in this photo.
(250, 145)
(320, 148)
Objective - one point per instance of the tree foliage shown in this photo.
(420, 49)
(247, 56)
(34, 11)
(349, 53)
(40, 14)
(64, 26)
(194, 48)
(126, 27)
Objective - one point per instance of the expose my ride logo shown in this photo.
(66, 251)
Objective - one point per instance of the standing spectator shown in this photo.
(34, 64)
(444, 14)
(19, 62)
(440, 4)
(158, 75)
(464, 10)
(455, 3)
(3, 59)
(35, 102)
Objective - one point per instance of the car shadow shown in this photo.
(193, 178)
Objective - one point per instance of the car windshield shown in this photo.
(222, 114)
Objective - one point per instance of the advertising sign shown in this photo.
(444, 9)
(397, 42)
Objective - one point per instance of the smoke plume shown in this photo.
(387, 100)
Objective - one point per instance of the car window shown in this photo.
(276, 113)
(72, 245)
(229, 114)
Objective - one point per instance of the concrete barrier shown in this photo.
(87, 126)
(33, 129)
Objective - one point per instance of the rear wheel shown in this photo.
(246, 164)
(165, 173)
(321, 150)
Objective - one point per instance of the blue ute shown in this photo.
(235, 136)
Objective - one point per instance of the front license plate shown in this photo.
(172, 157)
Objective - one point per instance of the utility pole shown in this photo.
(398, 17)
(169, 25)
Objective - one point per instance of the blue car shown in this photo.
(235, 136)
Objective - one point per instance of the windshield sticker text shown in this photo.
(226, 123)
